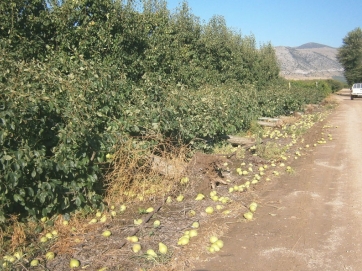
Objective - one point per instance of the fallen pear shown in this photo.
(162, 248)
(199, 197)
(248, 215)
(73, 263)
(136, 248)
(106, 233)
(132, 239)
(156, 223)
(253, 206)
(137, 222)
(122, 208)
(50, 255)
(193, 233)
(149, 210)
(184, 240)
(152, 253)
(209, 210)
(213, 239)
(34, 262)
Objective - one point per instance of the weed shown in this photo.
(228, 149)
(142, 211)
(255, 130)
(270, 150)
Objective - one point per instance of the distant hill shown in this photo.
(312, 45)
(308, 61)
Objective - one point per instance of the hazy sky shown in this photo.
(284, 22)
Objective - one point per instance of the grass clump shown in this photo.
(270, 150)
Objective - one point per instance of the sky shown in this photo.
(283, 22)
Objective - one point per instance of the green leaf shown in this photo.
(30, 191)
(14, 179)
(42, 197)
(18, 198)
(78, 201)
(7, 157)
(65, 203)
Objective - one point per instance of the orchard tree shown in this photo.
(350, 56)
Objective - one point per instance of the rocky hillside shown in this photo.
(308, 61)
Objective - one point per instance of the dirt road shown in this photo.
(311, 220)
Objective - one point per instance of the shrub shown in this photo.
(80, 77)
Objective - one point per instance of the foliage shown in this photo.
(336, 85)
(80, 77)
(350, 56)
(54, 133)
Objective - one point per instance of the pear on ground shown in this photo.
(152, 253)
(193, 233)
(248, 215)
(213, 239)
(133, 239)
(162, 248)
(136, 248)
(138, 222)
(122, 208)
(156, 223)
(209, 210)
(149, 210)
(184, 240)
(199, 197)
(107, 233)
(253, 206)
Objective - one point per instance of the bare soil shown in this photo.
(310, 220)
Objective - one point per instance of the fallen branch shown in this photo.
(268, 124)
(236, 140)
(269, 119)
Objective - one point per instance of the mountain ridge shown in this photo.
(308, 61)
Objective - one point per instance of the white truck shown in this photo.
(356, 91)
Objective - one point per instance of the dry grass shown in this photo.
(330, 102)
(135, 176)
(15, 234)
(71, 235)
(289, 120)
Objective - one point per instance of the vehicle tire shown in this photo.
(351, 97)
